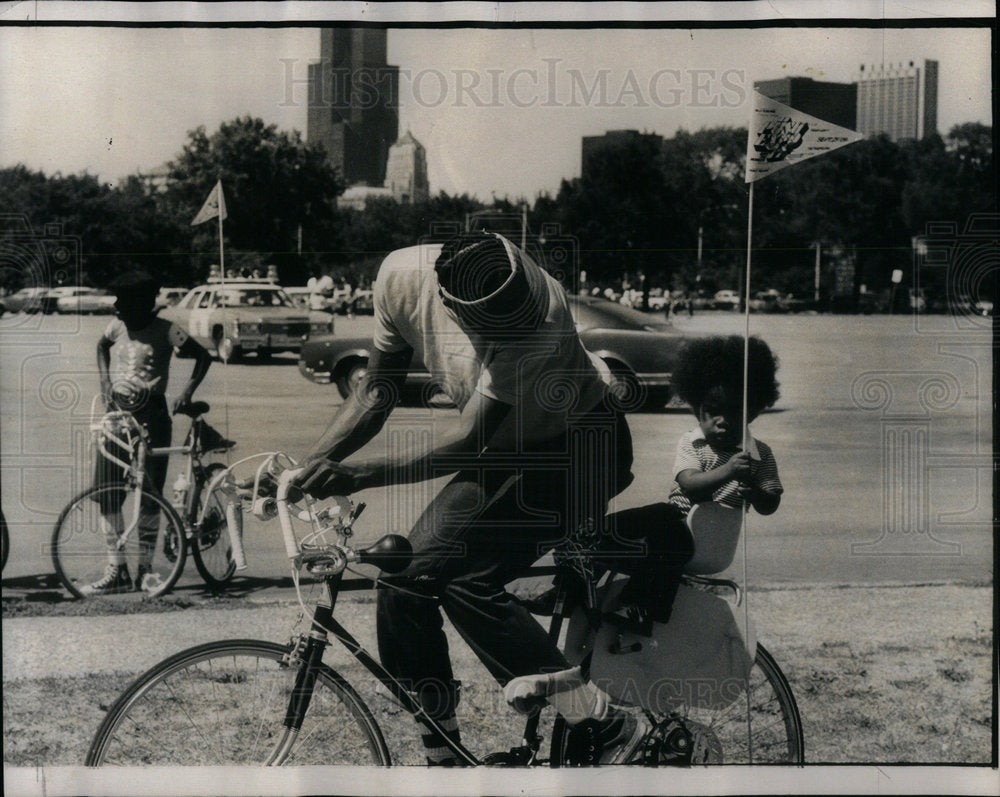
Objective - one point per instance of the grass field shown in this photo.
(900, 699)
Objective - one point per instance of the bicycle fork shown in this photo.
(307, 655)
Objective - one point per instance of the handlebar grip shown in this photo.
(281, 498)
(234, 523)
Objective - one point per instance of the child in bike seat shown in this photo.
(716, 461)
(133, 360)
(719, 460)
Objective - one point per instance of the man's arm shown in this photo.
(202, 362)
(466, 437)
(364, 411)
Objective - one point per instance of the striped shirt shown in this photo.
(695, 453)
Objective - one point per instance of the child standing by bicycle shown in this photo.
(135, 379)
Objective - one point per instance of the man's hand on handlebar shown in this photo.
(322, 478)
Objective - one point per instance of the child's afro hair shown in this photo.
(717, 362)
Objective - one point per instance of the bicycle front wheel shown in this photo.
(224, 704)
(133, 531)
(210, 544)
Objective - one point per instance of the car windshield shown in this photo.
(603, 314)
(252, 297)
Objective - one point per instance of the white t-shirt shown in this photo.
(140, 360)
(544, 376)
(695, 453)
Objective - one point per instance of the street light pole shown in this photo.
(816, 275)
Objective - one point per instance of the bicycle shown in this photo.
(195, 518)
(256, 702)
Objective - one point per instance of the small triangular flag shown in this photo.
(780, 136)
(214, 206)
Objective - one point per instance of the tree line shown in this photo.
(669, 211)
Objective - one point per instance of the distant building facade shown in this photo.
(898, 100)
(354, 103)
(831, 102)
(406, 170)
(591, 145)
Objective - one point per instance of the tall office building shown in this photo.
(354, 102)
(591, 145)
(831, 102)
(406, 170)
(898, 100)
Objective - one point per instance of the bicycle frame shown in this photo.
(306, 651)
(121, 428)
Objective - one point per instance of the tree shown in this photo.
(273, 182)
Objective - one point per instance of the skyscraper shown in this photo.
(406, 170)
(898, 100)
(831, 102)
(354, 102)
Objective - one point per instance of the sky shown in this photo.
(500, 112)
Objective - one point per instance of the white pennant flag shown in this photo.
(781, 136)
(214, 206)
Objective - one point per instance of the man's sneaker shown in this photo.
(622, 737)
(115, 581)
(616, 740)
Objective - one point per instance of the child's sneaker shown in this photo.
(115, 581)
(170, 547)
(146, 579)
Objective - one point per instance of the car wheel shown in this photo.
(350, 375)
(227, 349)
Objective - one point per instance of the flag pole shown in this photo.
(745, 533)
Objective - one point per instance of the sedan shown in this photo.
(638, 349)
(87, 301)
(237, 317)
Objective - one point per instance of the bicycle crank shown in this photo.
(670, 743)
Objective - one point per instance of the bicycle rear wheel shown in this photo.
(210, 545)
(224, 703)
(772, 734)
(153, 547)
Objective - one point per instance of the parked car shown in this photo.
(168, 297)
(238, 317)
(640, 352)
(41, 300)
(769, 301)
(983, 307)
(87, 301)
(726, 300)
(26, 300)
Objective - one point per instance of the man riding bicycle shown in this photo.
(537, 449)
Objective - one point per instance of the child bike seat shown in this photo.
(716, 531)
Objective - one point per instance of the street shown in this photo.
(882, 436)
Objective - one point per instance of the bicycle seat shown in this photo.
(194, 409)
